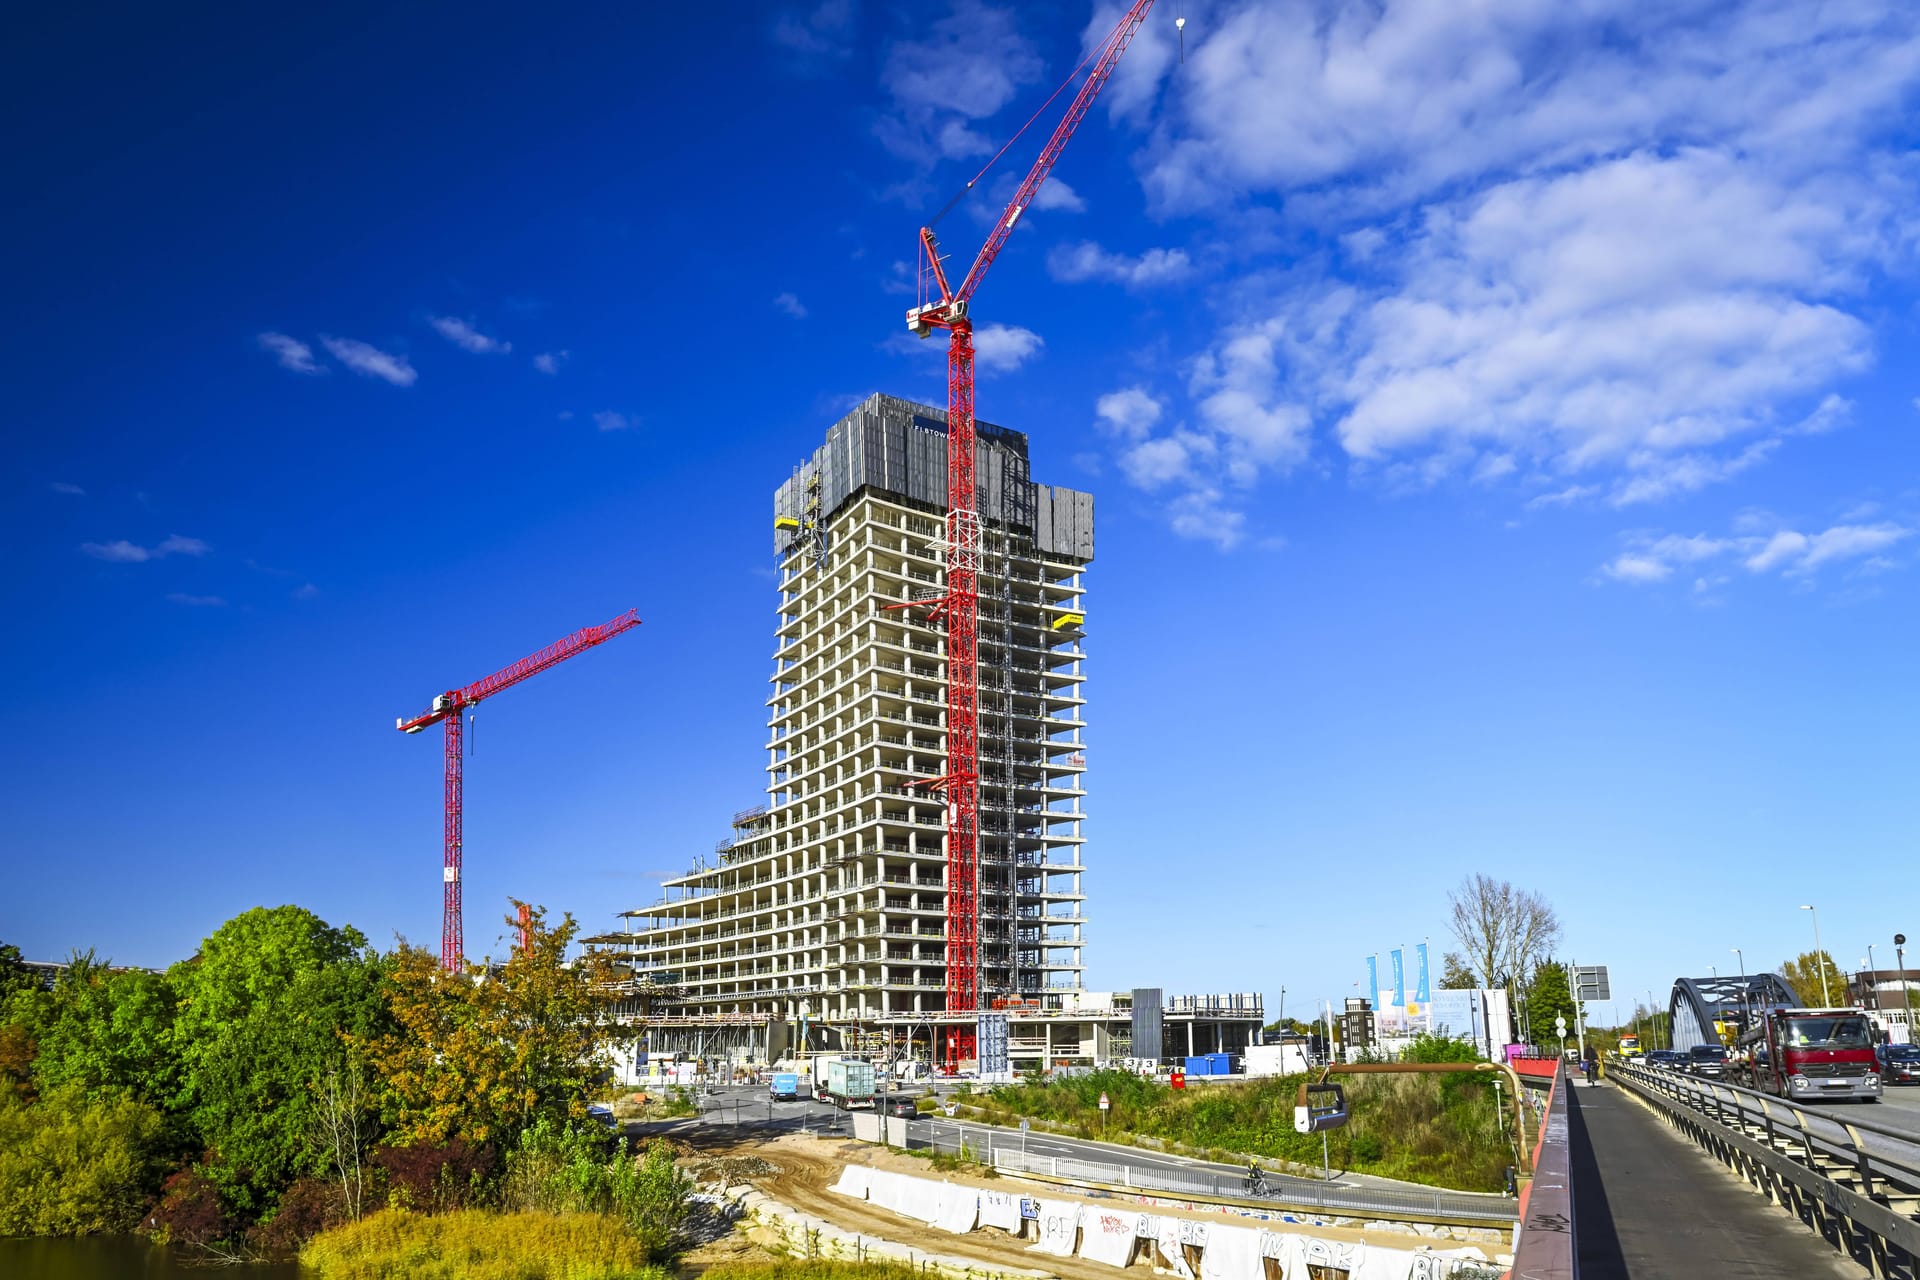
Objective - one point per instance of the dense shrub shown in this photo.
(307, 1208)
(568, 1169)
(474, 1245)
(452, 1175)
(190, 1211)
(74, 1165)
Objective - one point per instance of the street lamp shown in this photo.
(1744, 984)
(1873, 977)
(1826, 996)
(1906, 994)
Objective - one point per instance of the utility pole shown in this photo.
(1906, 993)
(1873, 977)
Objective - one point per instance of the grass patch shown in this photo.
(474, 1244)
(1437, 1130)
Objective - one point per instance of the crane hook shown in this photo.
(1180, 25)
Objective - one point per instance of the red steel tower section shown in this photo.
(942, 307)
(446, 711)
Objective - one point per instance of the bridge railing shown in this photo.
(1546, 1248)
(1855, 1182)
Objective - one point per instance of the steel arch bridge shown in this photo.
(1697, 1003)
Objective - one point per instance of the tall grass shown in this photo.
(1438, 1130)
(473, 1244)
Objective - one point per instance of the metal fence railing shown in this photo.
(1855, 1182)
(1005, 1150)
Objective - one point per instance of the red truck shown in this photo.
(1802, 1054)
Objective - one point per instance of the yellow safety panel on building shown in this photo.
(1069, 620)
(785, 522)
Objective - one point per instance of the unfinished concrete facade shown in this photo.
(826, 907)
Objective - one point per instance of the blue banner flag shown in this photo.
(1421, 994)
(1399, 980)
(1373, 981)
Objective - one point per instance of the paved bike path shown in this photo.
(1649, 1205)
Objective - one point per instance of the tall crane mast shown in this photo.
(446, 710)
(950, 309)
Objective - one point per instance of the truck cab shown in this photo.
(1804, 1054)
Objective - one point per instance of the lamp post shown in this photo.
(1653, 1026)
(1744, 986)
(1906, 994)
(1873, 977)
(1826, 996)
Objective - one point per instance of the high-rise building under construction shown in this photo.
(824, 914)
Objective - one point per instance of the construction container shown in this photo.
(1200, 1066)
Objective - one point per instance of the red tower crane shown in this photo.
(446, 710)
(959, 606)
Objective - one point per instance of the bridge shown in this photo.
(1699, 1005)
(1652, 1173)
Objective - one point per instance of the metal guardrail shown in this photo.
(1814, 1164)
(1548, 1248)
(1005, 1151)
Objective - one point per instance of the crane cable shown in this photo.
(961, 193)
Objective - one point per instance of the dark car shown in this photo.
(906, 1106)
(1900, 1064)
(1666, 1059)
(601, 1114)
(1709, 1061)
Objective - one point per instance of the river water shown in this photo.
(122, 1258)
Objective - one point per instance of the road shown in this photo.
(749, 1106)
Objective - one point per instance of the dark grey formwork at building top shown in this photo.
(900, 448)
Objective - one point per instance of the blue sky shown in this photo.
(1503, 424)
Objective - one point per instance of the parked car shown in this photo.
(602, 1114)
(1708, 1061)
(1900, 1064)
(1666, 1059)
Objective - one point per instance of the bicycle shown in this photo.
(1256, 1181)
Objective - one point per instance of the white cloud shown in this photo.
(121, 551)
(305, 591)
(1792, 553)
(462, 334)
(1074, 263)
(290, 352)
(608, 420)
(1130, 412)
(370, 361)
(1005, 347)
(199, 602)
(72, 490)
(1562, 497)
(1628, 247)
(969, 65)
(1055, 196)
(1135, 84)
(791, 305)
(823, 33)
(549, 362)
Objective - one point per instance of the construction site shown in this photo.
(835, 915)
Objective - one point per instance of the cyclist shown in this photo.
(1256, 1180)
(1591, 1063)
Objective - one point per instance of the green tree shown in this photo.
(1456, 974)
(481, 1056)
(105, 1032)
(1549, 997)
(75, 1164)
(1803, 974)
(264, 1013)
